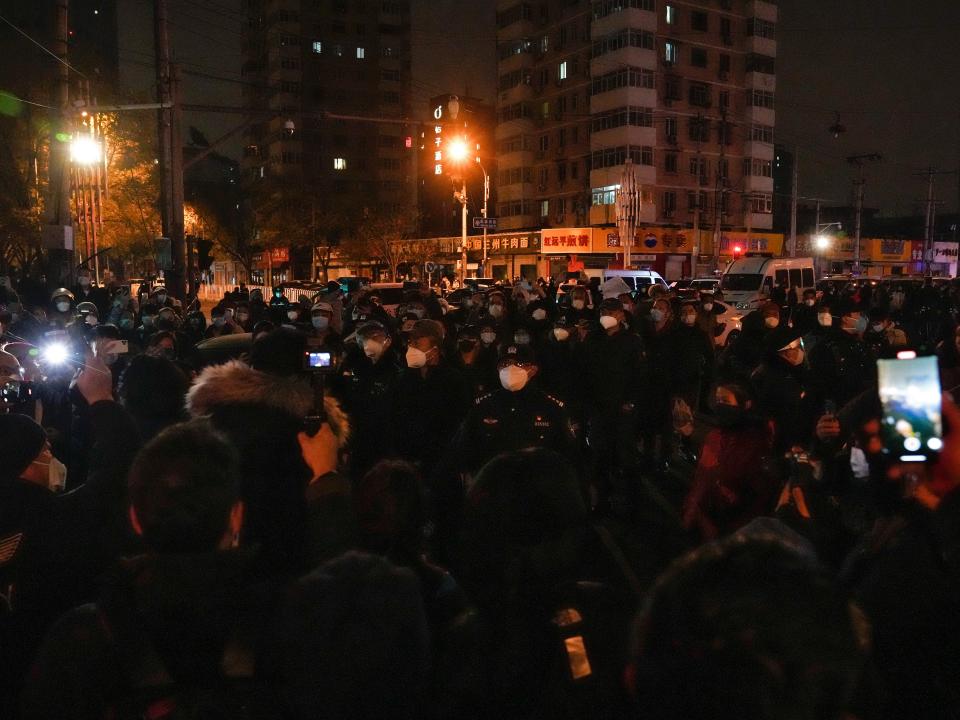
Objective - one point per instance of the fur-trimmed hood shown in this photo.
(236, 383)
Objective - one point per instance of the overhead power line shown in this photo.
(43, 47)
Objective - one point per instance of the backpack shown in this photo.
(152, 693)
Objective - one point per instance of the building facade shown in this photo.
(305, 60)
(683, 89)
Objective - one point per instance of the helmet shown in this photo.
(86, 308)
(157, 289)
(61, 292)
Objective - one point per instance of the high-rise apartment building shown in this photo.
(306, 58)
(683, 88)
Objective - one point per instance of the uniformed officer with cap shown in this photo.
(515, 416)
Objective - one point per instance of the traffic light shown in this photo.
(737, 252)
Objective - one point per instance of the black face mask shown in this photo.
(466, 346)
(730, 416)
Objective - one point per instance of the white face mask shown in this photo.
(63, 306)
(416, 358)
(320, 322)
(825, 319)
(56, 474)
(488, 338)
(878, 327)
(91, 320)
(608, 321)
(496, 311)
(539, 314)
(708, 306)
(292, 315)
(84, 281)
(561, 334)
(579, 304)
(771, 322)
(521, 339)
(656, 315)
(513, 378)
(810, 302)
(373, 349)
(688, 319)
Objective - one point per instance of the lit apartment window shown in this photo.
(562, 71)
(670, 53)
(544, 208)
(670, 14)
(317, 47)
(339, 163)
(360, 53)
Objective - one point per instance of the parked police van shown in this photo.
(751, 279)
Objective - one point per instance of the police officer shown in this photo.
(515, 416)
(61, 308)
(368, 381)
(842, 366)
(87, 291)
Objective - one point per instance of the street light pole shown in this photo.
(463, 239)
(486, 198)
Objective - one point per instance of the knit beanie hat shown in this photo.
(21, 441)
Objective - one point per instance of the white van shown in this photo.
(636, 279)
(751, 279)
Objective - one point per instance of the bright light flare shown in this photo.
(84, 150)
(458, 150)
(55, 354)
(821, 242)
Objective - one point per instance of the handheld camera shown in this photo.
(912, 425)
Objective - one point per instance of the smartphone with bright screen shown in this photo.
(912, 425)
(319, 359)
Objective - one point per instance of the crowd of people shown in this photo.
(515, 501)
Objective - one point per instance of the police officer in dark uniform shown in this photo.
(515, 416)
(368, 380)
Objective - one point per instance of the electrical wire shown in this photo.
(26, 102)
(44, 48)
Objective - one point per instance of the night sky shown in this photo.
(889, 67)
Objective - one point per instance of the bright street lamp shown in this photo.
(84, 150)
(821, 242)
(458, 151)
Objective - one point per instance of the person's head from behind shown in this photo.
(279, 352)
(184, 491)
(153, 388)
(745, 629)
(391, 508)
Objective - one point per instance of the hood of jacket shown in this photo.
(236, 383)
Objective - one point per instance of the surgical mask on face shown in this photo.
(320, 322)
(708, 306)
(861, 324)
(91, 320)
(771, 322)
(84, 282)
(488, 338)
(561, 334)
(56, 474)
(373, 349)
(416, 358)
(496, 311)
(825, 319)
(513, 378)
(579, 304)
(688, 319)
(810, 302)
(63, 306)
(292, 315)
(607, 322)
(656, 315)
(539, 314)
(878, 327)
(521, 338)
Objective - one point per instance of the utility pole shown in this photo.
(859, 161)
(61, 241)
(167, 135)
(930, 223)
(794, 197)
